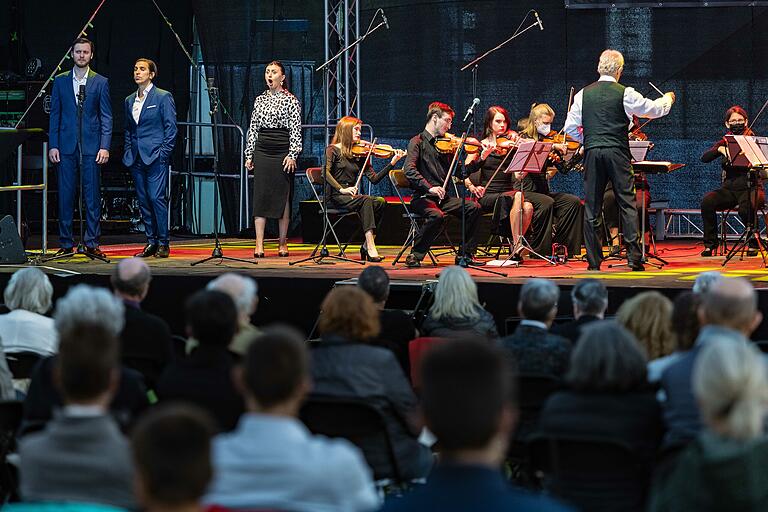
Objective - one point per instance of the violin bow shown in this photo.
(641, 126)
(503, 161)
(758, 114)
(365, 164)
(454, 162)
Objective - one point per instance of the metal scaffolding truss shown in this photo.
(342, 82)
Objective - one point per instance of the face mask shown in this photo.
(737, 128)
(544, 129)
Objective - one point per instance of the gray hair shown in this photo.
(611, 62)
(84, 304)
(29, 289)
(455, 295)
(730, 385)
(705, 280)
(538, 297)
(590, 296)
(730, 302)
(242, 289)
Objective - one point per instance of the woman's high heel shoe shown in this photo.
(283, 253)
(364, 256)
(258, 254)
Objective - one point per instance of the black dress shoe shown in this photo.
(64, 250)
(95, 251)
(412, 261)
(636, 266)
(149, 250)
(709, 252)
(163, 251)
(593, 269)
(472, 262)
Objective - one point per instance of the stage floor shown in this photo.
(684, 264)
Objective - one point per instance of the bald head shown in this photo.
(243, 291)
(131, 278)
(731, 302)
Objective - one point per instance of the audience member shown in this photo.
(590, 300)
(172, 454)
(456, 310)
(468, 404)
(81, 455)
(397, 327)
(705, 280)
(648, 316)
(730, 304)
(345, 365)
(7, 391)
(146, 339)
(204, 378)
(532, 346)
(726, 468)
(26, 328)
(83, 305)
(685, 327)
(271, 461)
(245, 292)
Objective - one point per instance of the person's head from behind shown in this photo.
(685, 320)
(648, 315)
(455, 295)
(350, 313)
(171, 448)
(589, 297)
(88, 305)
(606, 358)
(538, 300)
(275, 377)
(705, 280)
(375, 282)
(130, 279)
(243, 290)
(730, 386)
(611, 63)
(29, 289)
(211, 318)
(731, 302)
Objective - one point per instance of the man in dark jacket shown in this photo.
(590, 300)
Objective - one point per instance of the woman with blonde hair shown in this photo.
(648, 315)
(456, 309)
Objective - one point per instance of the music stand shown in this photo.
(531, 157)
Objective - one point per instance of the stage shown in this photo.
(292, 294)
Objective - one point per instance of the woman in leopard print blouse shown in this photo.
(272, 146)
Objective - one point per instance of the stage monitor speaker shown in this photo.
(11, 248)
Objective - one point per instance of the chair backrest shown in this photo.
(315, 175)
(399, 179)
(534, 389)
(357, 420)
(21, 364)
(417, 347)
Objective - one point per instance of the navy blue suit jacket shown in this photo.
(97, 115)
(155, 134)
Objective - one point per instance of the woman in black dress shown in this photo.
(342, 169)
(272, 146)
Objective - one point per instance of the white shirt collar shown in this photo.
(85, 77)
(606, 78)
(146, 91)
(534, 323)
(83, 411)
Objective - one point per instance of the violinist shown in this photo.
(427, 170)
(550, 208)
(342, 170)
(494, 186)
(734, 190)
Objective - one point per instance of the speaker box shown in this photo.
(11, 249)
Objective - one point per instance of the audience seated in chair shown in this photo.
(146, 339)
(397, 327)
(344, 364)
(726, 467)
(468, 404)
(204, 378)
(685, 327)
(648, 316)
(730, 303)
(81, 455)
(26, 328)
(456, 310)
(705, 280)
(171, 448)
(245, 292)
(271, 461)
(590, 301)
(532, 347)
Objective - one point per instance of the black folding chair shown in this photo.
(335, 215)
(400, 181)
(10, 419)
(21, 364)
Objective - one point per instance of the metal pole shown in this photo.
(45, 198)
(19, 155)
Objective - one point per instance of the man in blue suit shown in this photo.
(65, 144)
(150, 134)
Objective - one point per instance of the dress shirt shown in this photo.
(634, 104)
(139, 102)
(534, 323)
(424, 166)
(25, 331)
(76, 82)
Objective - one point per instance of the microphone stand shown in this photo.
(217, 253)
(318, 256)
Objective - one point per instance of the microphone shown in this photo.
(471, 109)
(384, 17)
(538, 20)
(81, 95)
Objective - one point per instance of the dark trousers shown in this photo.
(152, 190)
(370, 209)
(723, 199)
(434, 214)
(68, 187)
(601, 166)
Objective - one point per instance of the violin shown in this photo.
(561, 138)
(449, 143)
(361, 149)
(505, 142)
